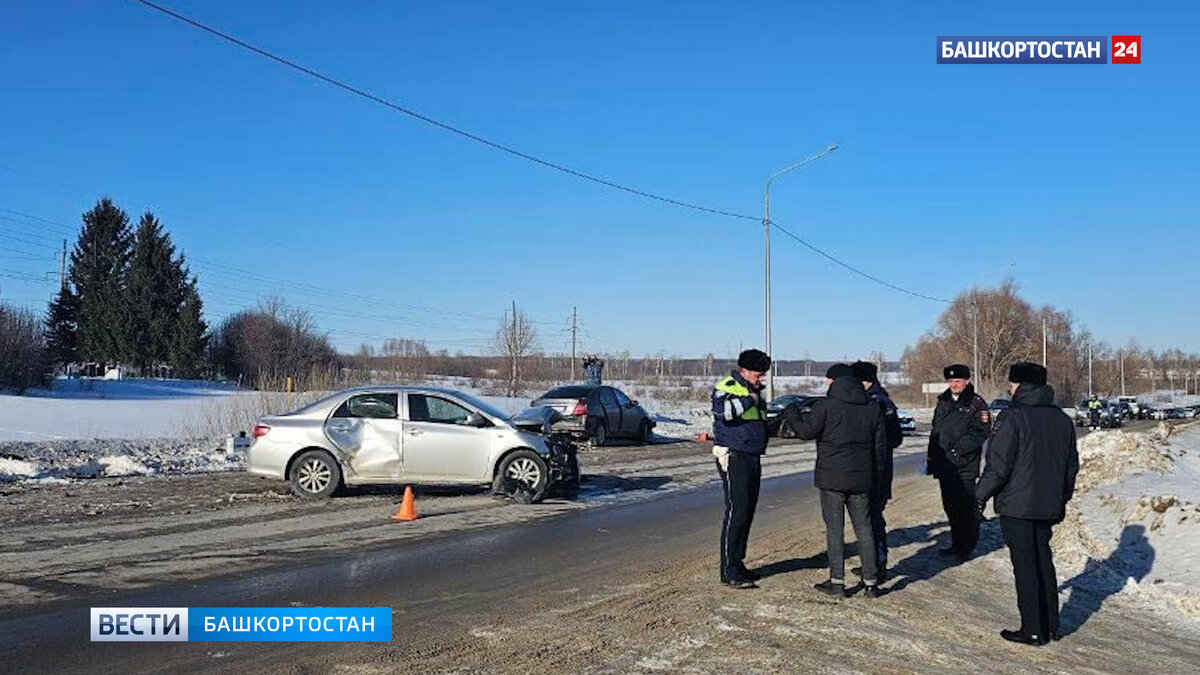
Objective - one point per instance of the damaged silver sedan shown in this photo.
(413, 436)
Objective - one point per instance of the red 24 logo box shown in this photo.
(1127, 49)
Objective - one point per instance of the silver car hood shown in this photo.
(536, 420)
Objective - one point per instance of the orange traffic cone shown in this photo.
(408, 511)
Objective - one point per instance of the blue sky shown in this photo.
(1078, 181)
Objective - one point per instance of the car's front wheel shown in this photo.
(315, 475)
(786, 430)
(646, 431)
(523, 476)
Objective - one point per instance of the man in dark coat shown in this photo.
(961, 424)
(851, 445)
(1032, 463)
(740, 431)
(881, 493)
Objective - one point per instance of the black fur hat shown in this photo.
(755, 360)
(839, 370)
(865, 371)
(957, 372)
(1027, 373)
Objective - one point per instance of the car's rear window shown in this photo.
(568, 392)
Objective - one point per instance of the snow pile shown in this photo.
(50, 461)
(1108, 456)
(1132, 527)
(16, 469)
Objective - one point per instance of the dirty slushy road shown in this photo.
(631, 588)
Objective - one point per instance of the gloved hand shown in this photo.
(979, 507)
(722, 454)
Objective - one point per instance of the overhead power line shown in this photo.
(437, 123)
(515, 152)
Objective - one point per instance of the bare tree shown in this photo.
(516, 341)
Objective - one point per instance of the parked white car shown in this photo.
(410, 436)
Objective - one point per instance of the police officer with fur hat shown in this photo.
(961, 424)
(740, 430)
(1032, 462)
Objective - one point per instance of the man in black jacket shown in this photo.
(961, 424)
(851, 444)
(1032, 462)
(881, 493)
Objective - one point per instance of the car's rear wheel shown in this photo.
(645, 431)
(315, 475)
(600, 434)
(523, 476)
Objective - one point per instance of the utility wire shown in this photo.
(441, 125)
(853, 269)
(513, 151)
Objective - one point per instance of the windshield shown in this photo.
(784, 401)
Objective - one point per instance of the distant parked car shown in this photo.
(1125, 410)
(997, 406)
(1111, 416)
(908, 424)
(598, 413)
(1180, 413)
(1134, 407)
(407, 436)
(775, 423)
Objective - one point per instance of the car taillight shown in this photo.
(580, 409)
(260, 430)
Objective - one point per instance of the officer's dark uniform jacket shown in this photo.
(1032, 460)
(895, 436)
(959, 431)
(739, 419)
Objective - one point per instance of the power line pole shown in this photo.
(974, 335)
(574, 337)
(62, 267)
(1090, 391)
(1122, 373)
(1045, 358)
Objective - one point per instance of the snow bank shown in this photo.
(52, 461)
(1134, 525)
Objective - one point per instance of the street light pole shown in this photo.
(767, 261)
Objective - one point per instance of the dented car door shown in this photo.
(366, 427)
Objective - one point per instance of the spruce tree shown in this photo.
(153, 295)
(191, 334)
(61, 326)
(98, 266)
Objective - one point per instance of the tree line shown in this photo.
(992, 328)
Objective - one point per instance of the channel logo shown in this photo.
(1035, 49)
(241, 624)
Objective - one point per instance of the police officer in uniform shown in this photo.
(1032, 463)
(961, 424)
(740, 430)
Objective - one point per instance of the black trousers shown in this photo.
(741, 483)
(879, 529)
(958, 500)
(1033, 568)
(834, 506)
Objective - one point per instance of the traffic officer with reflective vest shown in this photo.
(740, 431)
(1094, 412)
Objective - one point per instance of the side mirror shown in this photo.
(476, 420)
